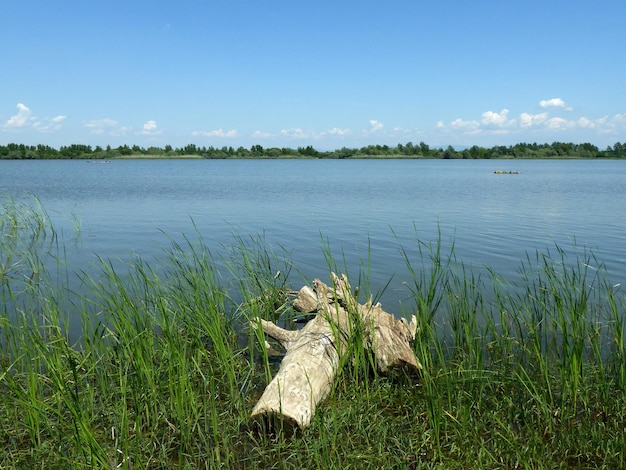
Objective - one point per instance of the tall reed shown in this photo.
(526, 372)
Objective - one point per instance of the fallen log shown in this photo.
(308, 370)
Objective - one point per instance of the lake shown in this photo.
(358, 208)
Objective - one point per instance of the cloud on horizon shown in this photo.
(151, 128)
(22, 119)
(216, 133)
(375, 126)
(106, 126)
(492, 119)
(500, 123)
(262, 135)
(298, 133)
(25, 119)
(532, 120)
(550, 120)
(49, 125)
(337, 132)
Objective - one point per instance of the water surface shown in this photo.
(362, 208)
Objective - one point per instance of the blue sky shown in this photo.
(322, 73)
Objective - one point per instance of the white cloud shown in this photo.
(151, 128)
(620, 120)
(49, 125)
(302, 134)
(25, 119)
(488, 123)
(296, 133)
(552, 103)
(602, 125)
(461, 124)
(402, 132)
(610, 125)
(337, 131)
(490, 118)
(216, 133)
(557, 123)
(106, 125)
(262, 135)
(585, 123)
(21, 119)
(499, 123)
(375, 126)
(532, 120)
(100, 125)
(120, 131)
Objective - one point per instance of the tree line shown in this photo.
(408, 150)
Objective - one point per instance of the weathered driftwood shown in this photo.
(308, 369)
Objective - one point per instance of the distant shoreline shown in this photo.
(297, 157)
(356, 158)
(408, 151)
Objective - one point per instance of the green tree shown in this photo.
(308, 151)
(450, 153)
(124, 150)
(256, 151)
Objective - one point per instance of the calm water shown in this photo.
(360, 207)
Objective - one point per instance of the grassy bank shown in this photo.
(167, 371)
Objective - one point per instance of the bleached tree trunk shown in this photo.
(308, 370)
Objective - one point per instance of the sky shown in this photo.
(331, 74)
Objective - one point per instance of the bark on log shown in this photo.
(308, 370)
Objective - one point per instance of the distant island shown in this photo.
(407, 151)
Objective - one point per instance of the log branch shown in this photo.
(285, 337)
(308, 370)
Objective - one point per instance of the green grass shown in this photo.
(518, 373)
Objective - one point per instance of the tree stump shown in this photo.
(308, 370)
